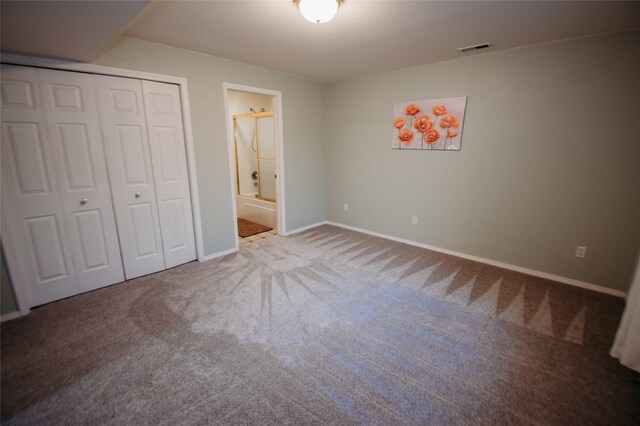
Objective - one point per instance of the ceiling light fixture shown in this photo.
(318, 11)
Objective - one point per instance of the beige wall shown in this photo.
(304, 134)
(550, 158)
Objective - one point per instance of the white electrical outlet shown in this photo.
(414, 220)
(581, 252)
(346, 207)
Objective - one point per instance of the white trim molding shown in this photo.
(304, 228)
(219, 254)
(10, 316)
(533, 272)
(280, 197)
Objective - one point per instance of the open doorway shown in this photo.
(254, 124)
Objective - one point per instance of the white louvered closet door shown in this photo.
(169, 160)
(71, 115)
(33, 224)
(126, 146)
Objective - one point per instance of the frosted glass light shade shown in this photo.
(318, 11)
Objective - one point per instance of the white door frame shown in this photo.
(277, 106)
(22, 299)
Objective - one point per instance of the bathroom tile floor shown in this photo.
(253, 238)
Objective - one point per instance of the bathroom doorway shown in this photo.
(255, 152)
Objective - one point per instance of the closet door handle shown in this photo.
(84, 201)
(137, 195)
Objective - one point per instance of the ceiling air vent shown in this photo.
(474, 47)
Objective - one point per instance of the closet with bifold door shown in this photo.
(95, 182)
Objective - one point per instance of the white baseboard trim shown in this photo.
(10, 316)
(558, 278)
(219, 254)
(235, 249)
(304, 228)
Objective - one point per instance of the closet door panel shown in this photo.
(27, 154)
(76, 156)
(72, 118)
(145, 236)
(133, 156)
(126, 146)
(33, 218)
(46, 247)
(177, 229)
(91, 239)
(169, 161)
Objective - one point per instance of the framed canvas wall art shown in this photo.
(434, 124)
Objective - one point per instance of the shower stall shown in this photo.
(254, 139)
(255, 146)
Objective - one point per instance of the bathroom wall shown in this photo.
(242, 102)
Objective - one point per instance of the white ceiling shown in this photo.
(365, 37)
(368, 37)
(77, 30)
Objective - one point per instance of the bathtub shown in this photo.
(258, 211)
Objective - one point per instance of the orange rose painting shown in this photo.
(427, 118)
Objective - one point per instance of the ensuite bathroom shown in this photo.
(255, 155)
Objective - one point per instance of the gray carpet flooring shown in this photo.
(328, 326)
